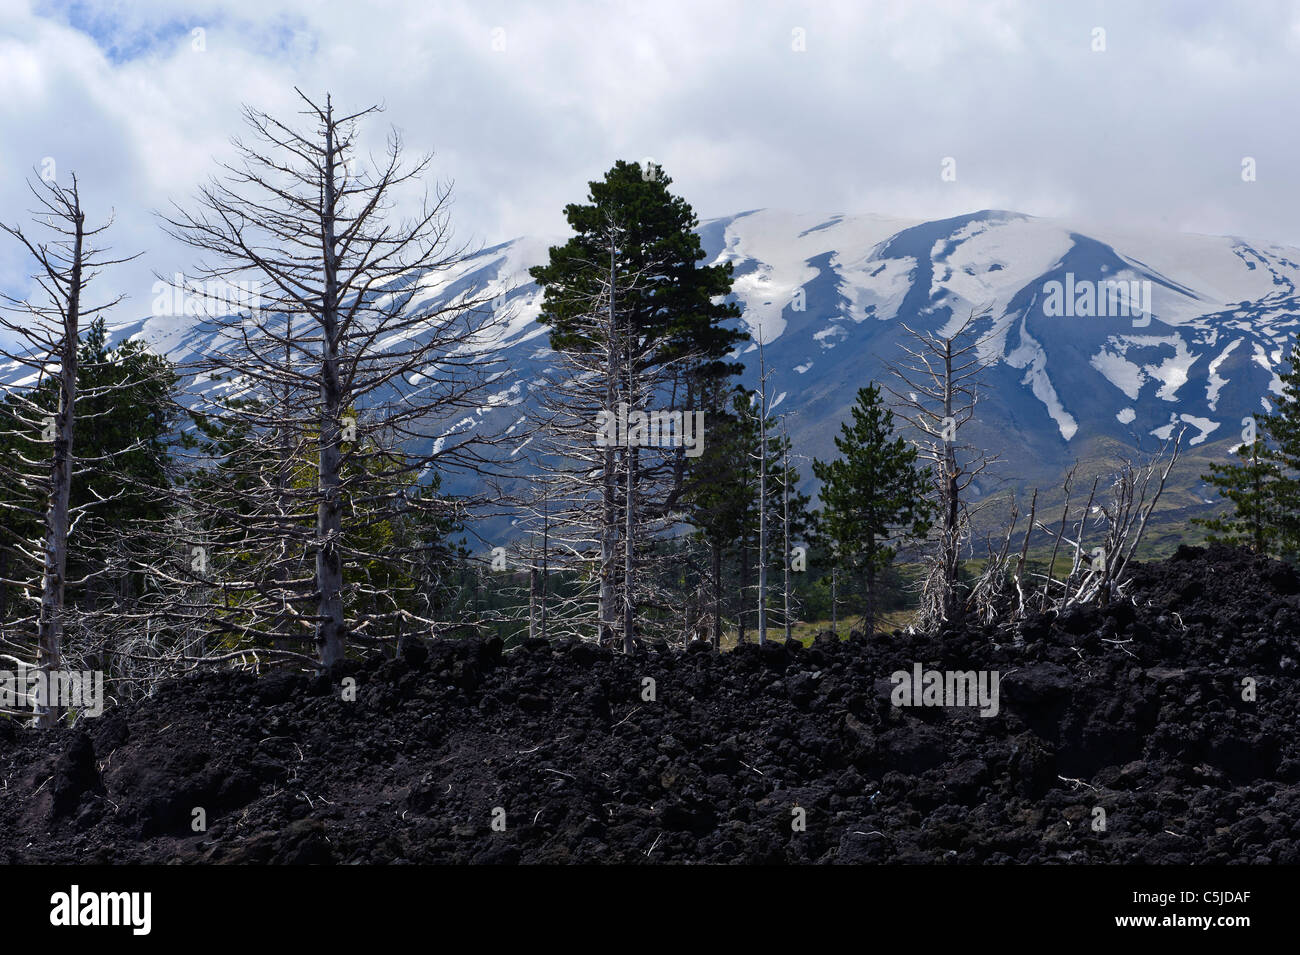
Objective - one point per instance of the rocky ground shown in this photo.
(1137, 710)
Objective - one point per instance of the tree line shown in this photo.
(282, 496)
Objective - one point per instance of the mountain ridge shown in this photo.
(829, 295)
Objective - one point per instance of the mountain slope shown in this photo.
(829, 296)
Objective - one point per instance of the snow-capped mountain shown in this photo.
(1094, 336)
(1197, 345)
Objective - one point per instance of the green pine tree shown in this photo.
(1264, 486)
(677, 304)
(713, 504)
(722, 499)
(1252, 488)
(1281, 431)
(126, 403)
(873, 495)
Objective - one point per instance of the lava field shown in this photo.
(1159, 730)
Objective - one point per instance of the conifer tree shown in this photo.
(872, 495)
(723, 502)
(1281, 430)
(635, 322)
(1252, 486)
(1264, 485)
(675, 303)
(714, 505)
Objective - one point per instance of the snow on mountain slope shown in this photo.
(830, 294)
(831, 300)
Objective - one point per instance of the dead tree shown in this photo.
(999, 593)
(344, 385)
(537, 560)
(770, 504)
(939, 388)
(1019, 576)
(764, 406)
(1097, 575)
(989, 591)
(574, 494)
(603, 485)
(48, 333)
(785, 528)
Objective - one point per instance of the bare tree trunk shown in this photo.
(1024, 553)
(785, 533)
(762, 532)
(609, 510)
(330, 633)
(744, 585)
(716, 548)
(546, 549)
(629, 503)
(283, 477)
(629, 511)
(50, 629)
(4, 587)
(762, 555)
(835, 616)
(532, 602)
(870, 622)
(762, 494)
(951, 493)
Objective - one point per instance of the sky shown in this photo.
(1136, 114)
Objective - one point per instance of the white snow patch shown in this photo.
(1173, 370)
(997, 259)
(873, 283)
(1129, 377)
(1030, 356)
(824, 336)
(1125, 375)
(1260, 357)
(1204, 425)
(1215, 384)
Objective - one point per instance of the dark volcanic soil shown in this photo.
(1153, 730)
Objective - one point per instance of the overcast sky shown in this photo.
(828, 107)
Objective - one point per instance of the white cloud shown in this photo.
(1150, 132)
